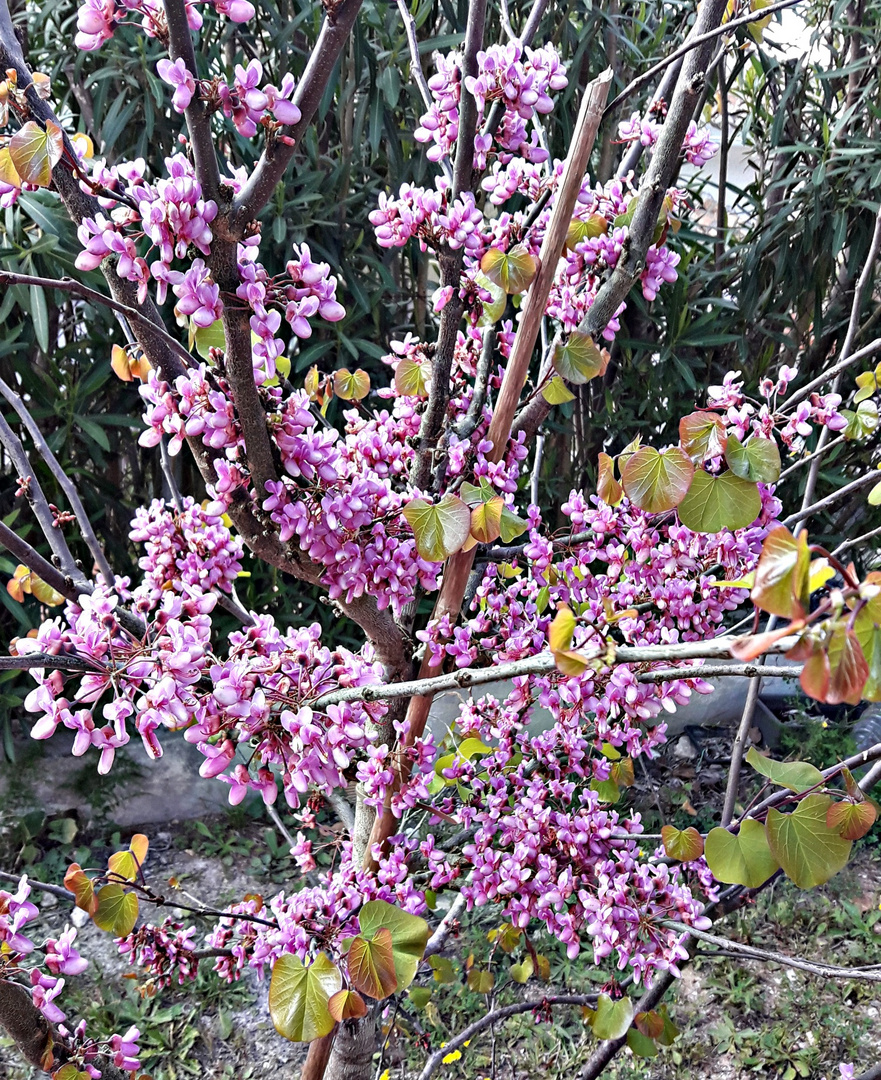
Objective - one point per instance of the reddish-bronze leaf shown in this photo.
(346, 1005)
(75, 881)
(650, 1024)
(685, 845)
(847, 667)
(851, 820)
(702, 435)
(783, 574)
(371, 965)
(608, 488)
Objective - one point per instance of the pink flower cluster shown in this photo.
(699, 147)
(98, 19)
(792, 423)
(185, 548)
(60, 957)
(521, 80)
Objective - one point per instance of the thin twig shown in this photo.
(747, 671)
(856, 541)
(38, 501)
(831, 500)
(819, 452)
(869, 973)
(68, 285)
(64, 482)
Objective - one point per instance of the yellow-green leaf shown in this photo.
(299, 997)
(556, 392)
(412, 379)
(808, 851)
(440, 528)
(795, 775)
(757, 459)
(117, 910)
(578, 359)
(742, 858)
(35, 151)
(612, 1018)
(351, 385)
(409, 936)
(657, 482)
(685, 845)
(512, 270)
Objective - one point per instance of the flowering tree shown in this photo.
(428, 488)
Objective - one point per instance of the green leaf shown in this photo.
(371, 964)
(409, 936)
(612, 1018)
(861, 423)
(657, 482)
(40, 315)
(607, 790)
(579, 231)
(717, 503)
(807, 849)
(495, 309)
(641, 1045)
(522, 972)
(742, 858)
(512, 271)
(420, 996)
(702, 435)
(556, 392)
(795, 775)
(299, 996)
(117, 910)
(35, 151)
(685, 845)
(757, 459)
(440, 528)
(578, 359)
(209, 337)
(511, 526)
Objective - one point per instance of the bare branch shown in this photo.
(720, 671)
(38, 501)
(543, 664)
(869, 973)
(695, 42)
(63, 480)
(831, 500)
(53, 661)
(822, 380)
(75, 288)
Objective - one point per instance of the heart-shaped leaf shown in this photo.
(481, 982)
(512, 270)
(299, 997)
(117, 910)
(851, 820)
(409, 936)
(346, 1005)
(371, 964)
(702, 435)
(657, 482)
(556, 392)
(808, 851)
(578, 359)
(742, 858)
(440, 528)
(579, 231)
(757, 460)
(486, 520)
(522, 972)
(685, 845)
(8, 172)
(612, 1018)
(351, 385)
(412, 379)
(717, 503)
(36, 151)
